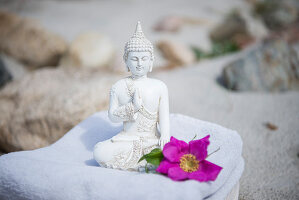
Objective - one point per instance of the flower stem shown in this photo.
(194, 137)
(146, 169)
(213, 152)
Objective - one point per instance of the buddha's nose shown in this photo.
(139, 63)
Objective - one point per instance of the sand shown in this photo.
(272, 157)
(272, 163)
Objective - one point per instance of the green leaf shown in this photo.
(142, 158)
(199, 54)
(154, 157)
(218, 49)
(154, 161)
(221, 48)
(156, 150)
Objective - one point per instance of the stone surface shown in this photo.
(232, 28)
(271, 66)
(91, 50)
(16, 69)
(174, 23)
(39, 108)
(169, 23)
(28, 42)
(277, 14)
(118, 65)
(176, 53)
(5, 75)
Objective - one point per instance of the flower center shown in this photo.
(189, 163)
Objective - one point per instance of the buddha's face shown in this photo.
(139, 63)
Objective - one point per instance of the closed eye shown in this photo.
(144, 58)
(134, 58)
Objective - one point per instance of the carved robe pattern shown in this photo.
(137, 143)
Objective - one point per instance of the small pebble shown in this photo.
(271, 126)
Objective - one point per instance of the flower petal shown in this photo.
(177, 174)
(198, 175)
(164, 166)
(207, 172)
(181, 144)
(199, 147)
(175, 149)
(171, 152)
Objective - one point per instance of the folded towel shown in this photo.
(66, 169)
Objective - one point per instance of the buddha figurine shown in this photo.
(142, 104)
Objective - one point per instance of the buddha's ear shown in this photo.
(128, 69)
(151, 67)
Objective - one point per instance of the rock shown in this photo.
(91, 50)
(28, 42)
(169, 23)
(5, 75)
(233, 28)
(255, 26)
(271, 66)
(42, 106)
(175, 23)
(277, 14)
(118, 65)
(271, 126)
(176, 53)
(16, 69)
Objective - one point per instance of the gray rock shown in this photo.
(28, 42)
(232, 28)
(272, 66)
(277, 14)
(5, 76)
(42, 106)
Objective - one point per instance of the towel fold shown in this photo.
(66, 169)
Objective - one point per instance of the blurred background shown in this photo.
(231, 62)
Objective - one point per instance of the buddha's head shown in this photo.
(139, 53)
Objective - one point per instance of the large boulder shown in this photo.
(271, 66)
(177, 54)
(39, 108)
(90, 50)
(233, 28)
(28, 42)
(277, 14)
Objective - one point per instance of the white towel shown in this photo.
(66, 169)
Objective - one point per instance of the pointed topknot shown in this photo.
(138, 28)
(138, 31)
(138, 42)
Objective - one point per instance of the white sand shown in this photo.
(271, 157)
(272, 160)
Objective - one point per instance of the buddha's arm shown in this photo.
(164, 115)
(118, 113)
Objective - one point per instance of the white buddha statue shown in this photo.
(142, 104)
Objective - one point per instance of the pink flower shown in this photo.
(187, 161)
